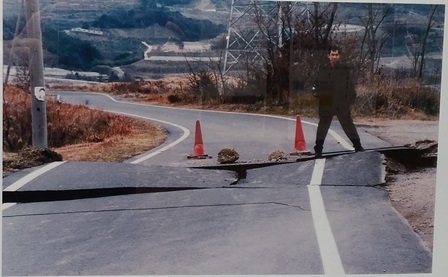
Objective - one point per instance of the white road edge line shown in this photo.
(7, 205)
(152, 154)
(331, 259)
(26, 179)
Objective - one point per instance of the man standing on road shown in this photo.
(335, 89)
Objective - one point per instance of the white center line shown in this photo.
(331, 259)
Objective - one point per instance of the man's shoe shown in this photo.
(359, 149)
(357, 145)
(317, 151)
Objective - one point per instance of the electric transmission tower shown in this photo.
(253, 24)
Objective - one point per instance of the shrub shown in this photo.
(240, 91)
(67, 124)
(174, 98)
(425, 100)
(397, 99)
(16, 119)
(304, 104)
(144, 87)
(202, 85)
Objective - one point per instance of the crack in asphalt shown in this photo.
(64, 195)
(161, 208)
(61, 195)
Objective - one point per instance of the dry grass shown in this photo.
(116, 148)
(75, 131)
(401, 99)
(385, 98)
(161, 86)
(79, 133)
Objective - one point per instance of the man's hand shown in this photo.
(314, 91)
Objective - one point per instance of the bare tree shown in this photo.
(322, 22)
(207, 77)
(416, 44)
(271, 28)
(422, 53)
(309, 31)
(373, 41)
(314, 31)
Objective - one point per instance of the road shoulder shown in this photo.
(412, 192)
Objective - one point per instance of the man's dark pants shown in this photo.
(328, 109)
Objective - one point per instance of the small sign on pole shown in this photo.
(39, 92)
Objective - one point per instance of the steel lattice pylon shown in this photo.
(252, 24)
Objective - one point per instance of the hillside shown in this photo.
(83, 33)
(79, 35)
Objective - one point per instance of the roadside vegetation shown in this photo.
(74, 131)
(279, 83)
(82, 134)
(385, 98)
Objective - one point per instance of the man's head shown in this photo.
(334, 54)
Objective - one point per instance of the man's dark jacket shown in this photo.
(335, 85)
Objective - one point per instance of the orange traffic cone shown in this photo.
(299, 143)
(198, 149)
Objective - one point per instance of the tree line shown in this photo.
(278, 66)
(187, 29)
(296, 36)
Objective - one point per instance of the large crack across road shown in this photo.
(61, 195)
(410, 157)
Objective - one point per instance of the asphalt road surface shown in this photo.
(162, 213)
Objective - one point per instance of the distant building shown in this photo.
(186, 47)
(196, 46)
(86, 31)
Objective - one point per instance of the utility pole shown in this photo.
(37, 83)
